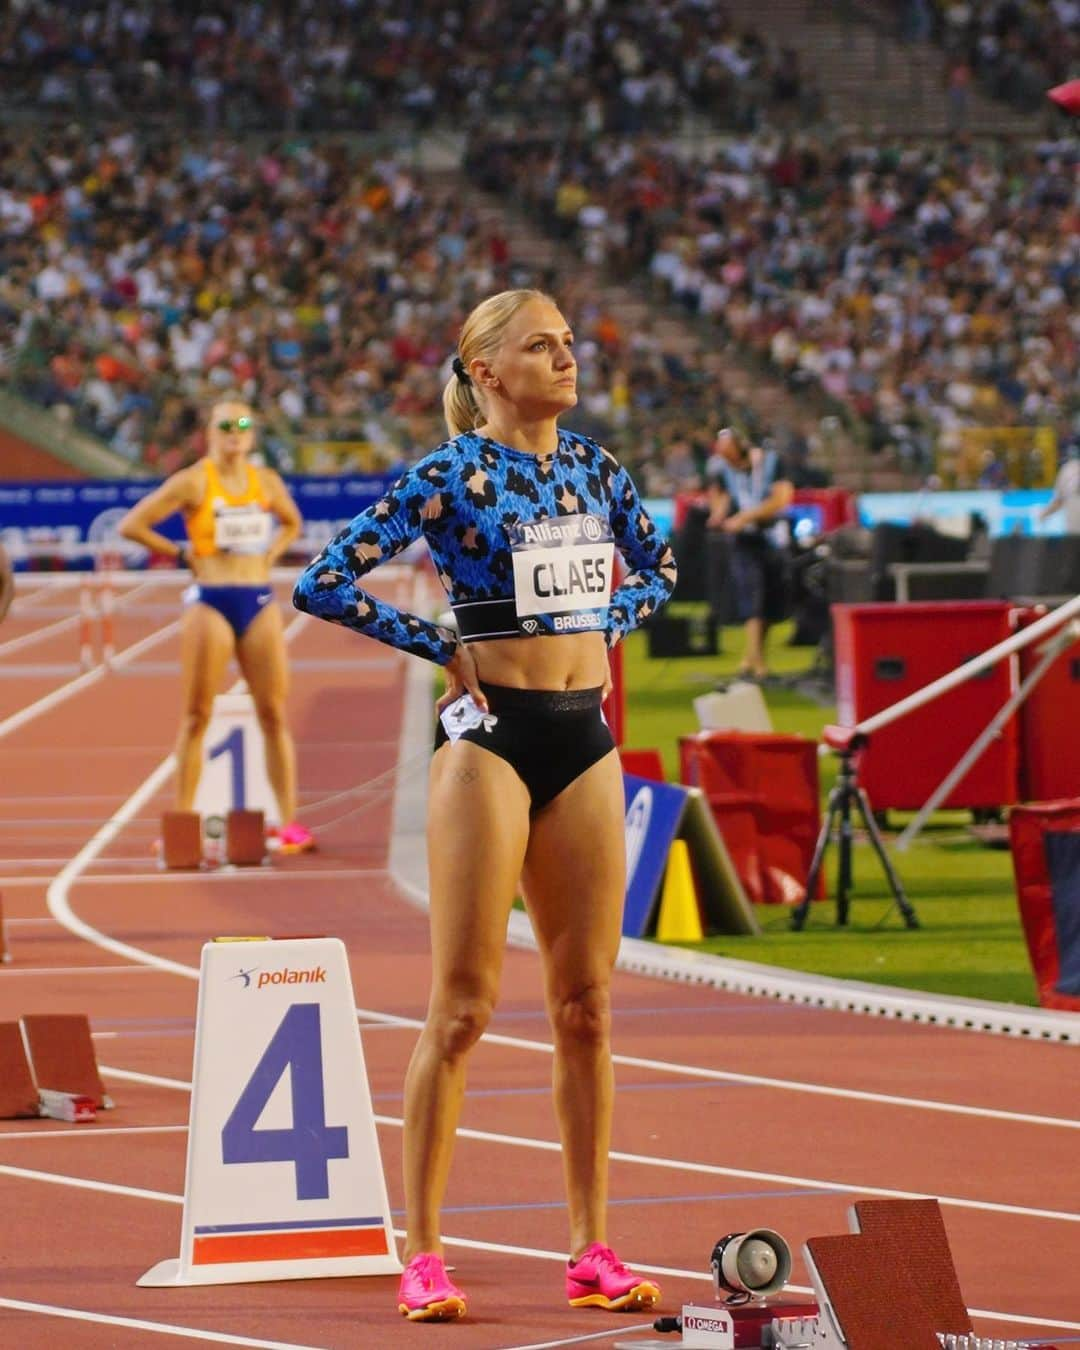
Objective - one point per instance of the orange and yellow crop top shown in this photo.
(224, 522)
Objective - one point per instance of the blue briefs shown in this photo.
(237, 605)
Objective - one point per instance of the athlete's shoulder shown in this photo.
(435, 467)
(586, 448)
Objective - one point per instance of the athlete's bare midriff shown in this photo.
(566, 661)
(227, 569)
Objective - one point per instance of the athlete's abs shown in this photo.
(570, 661)
(229, 569)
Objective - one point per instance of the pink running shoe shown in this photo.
(426, 1294)
(295, 838)
(598, 1279)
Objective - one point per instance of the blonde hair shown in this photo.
(480, 336)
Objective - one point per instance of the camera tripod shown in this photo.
(845, 794)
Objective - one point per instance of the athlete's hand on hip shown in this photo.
(462, 678)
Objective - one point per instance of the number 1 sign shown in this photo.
(284, 1177)
(233, 775)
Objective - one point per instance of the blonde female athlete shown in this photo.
(522, 520)
(240, 520)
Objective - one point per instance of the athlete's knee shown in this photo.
(271, 716)
(583, 1015)
(459, 1022)
(196, 718)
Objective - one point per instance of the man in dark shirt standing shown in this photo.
(748, 494)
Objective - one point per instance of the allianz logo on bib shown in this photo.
(563, 531)
(316, 975)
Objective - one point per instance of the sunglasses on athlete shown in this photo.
(236, 424)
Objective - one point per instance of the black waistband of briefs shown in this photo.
(504, 700)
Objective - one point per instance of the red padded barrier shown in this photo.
(643, 764)
(764, 793)
(1028, 826)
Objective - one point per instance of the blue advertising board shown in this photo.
(1015, 512)
(654, 813)
(69, 519)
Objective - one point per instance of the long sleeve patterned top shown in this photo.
(522, 543)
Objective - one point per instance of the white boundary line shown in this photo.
(501, 1248)
(408, 868)
(154, 1328)
(679, 1164)
(66, 691)
(59, 905)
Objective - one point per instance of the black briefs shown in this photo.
(549, 737)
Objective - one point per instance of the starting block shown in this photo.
(62, 1056)
(18, 1092)
(284, 1179)
(5, 955)
(188, 842)
(245, 838)
(48, 1068)
(181, 839)
(888, 1283)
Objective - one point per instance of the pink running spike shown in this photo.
(426, 1294)
(295, 838)
(598, 1279)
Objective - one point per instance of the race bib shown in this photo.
(562, 574)
(241, 529)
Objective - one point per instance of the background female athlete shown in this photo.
(526, 790)
(240, 519)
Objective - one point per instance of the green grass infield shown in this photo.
(969, 943)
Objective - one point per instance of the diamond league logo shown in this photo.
(530, 625)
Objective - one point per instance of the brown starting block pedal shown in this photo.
(62, 1055)
(18, 1092)
(181, 839)
(5, 955)
(916, 1228)
(245, 838)
(873, 1293)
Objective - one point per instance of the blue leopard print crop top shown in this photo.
(523, 545)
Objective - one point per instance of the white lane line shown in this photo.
(261, 875)
(77, 970)
(584, 1340)
(500, 1248)
(757, 1080)
(72, 687)
(38, 634)
(80, 1133)
(56, 897)
(154, 1328)
(60, 625)
(683, 1165)
(83, 1184)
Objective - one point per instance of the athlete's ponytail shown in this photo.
(460, 406)
(481, 333)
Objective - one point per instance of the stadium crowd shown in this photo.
(143, 272)
(140, 278)
(1014, 48)
(923, 287)
(302, 65)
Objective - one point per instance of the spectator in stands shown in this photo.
(748, 492)
(1066, 492)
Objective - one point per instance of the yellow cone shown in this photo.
(680, 919)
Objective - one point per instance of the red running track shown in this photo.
(732, 1112)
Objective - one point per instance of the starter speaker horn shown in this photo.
(748, 1265)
